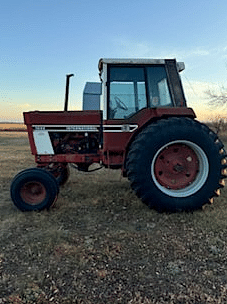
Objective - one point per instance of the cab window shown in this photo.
(159, 95)
(127, 92)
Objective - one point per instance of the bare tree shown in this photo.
(217, 100)
(218, 123)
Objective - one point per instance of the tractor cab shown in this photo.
(130, 85)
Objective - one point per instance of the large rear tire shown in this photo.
(34, 189)
(176, 164)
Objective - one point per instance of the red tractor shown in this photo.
(136, 119)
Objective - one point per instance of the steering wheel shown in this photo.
(120, 104)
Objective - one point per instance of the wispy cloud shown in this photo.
(24, 106)
(129, 48)
(137, 49)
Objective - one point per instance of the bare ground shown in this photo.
(100, 244)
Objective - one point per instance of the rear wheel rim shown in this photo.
(180, 168)
(33, 193)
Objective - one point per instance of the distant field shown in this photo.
(12, 126)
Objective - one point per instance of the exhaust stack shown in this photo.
(67, 91)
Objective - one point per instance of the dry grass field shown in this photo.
(100, 244)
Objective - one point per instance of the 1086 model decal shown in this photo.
(78, 128)
(86, 128)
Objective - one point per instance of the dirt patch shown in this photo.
(100, 244)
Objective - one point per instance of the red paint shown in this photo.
(63, 118)
(115, 144)
(68, 158)
(118, 142)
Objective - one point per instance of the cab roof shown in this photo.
(180, 65)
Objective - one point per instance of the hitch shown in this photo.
(67, 91)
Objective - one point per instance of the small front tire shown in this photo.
(34, 189)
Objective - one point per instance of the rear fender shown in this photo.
(188, 112)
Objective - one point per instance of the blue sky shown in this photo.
(43, 40)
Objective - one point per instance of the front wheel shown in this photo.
(176, 164)
(34, 189)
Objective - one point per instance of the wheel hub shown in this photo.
(176, 166)
(33, 193)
